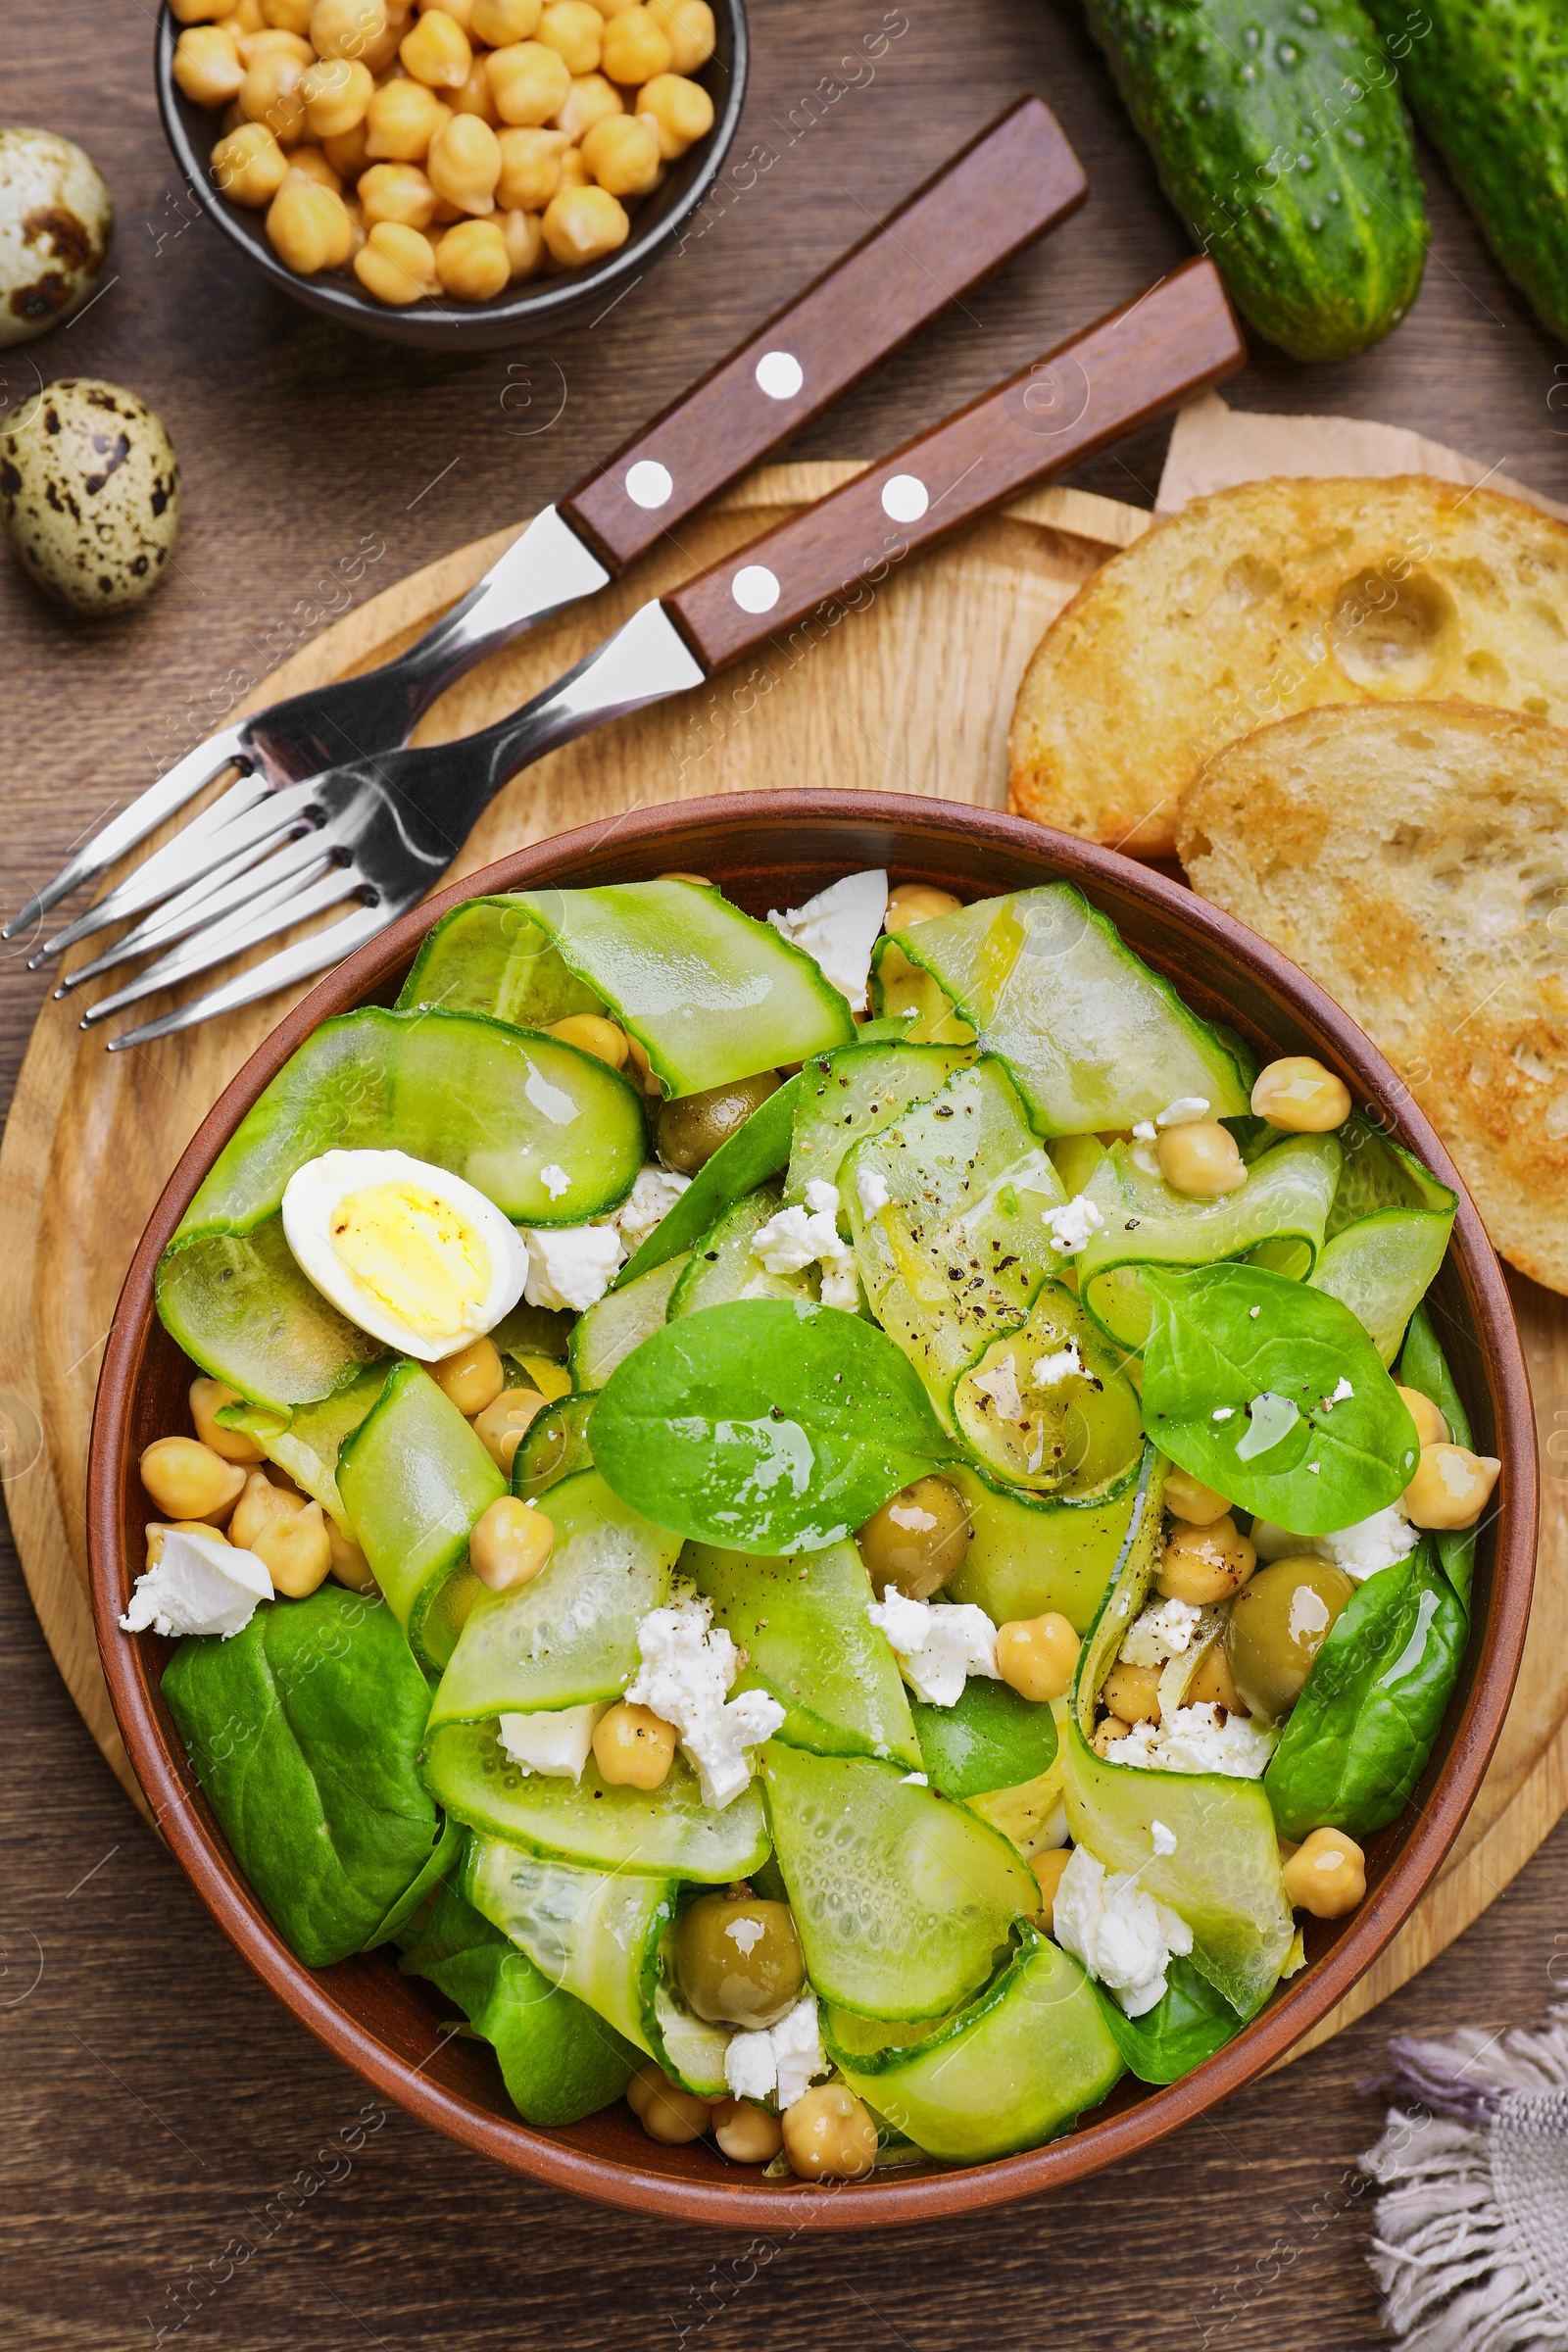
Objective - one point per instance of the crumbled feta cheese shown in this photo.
(1195, 1740)
(1183, 1112)
(1360, 1550)
(1000, 1385)
(555, 1179)
(1070, 1224)
(1271, 1418)
(1143, 1132)
(1124, 1938)
(1164, 1839)
(938, 1645)
(555, 1741)
(1253, 1313)
(1223, 1412)
(797, 1238)
(1342, 1390)
(1164, 1631)
(840, 1283)
(1145, 1161)
(200, 1585)
(572, 1267)
(915, 1780)
(778, 2062)
(1049, 1370)
(647, 1203)
(838, 929)
(687, 1667)
(873, 1187)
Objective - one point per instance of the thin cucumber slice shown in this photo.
(1094, 1038)
(1423, 1366)
(990, 1739)
(1035, 1423)
(555, 1447)
(306, 1443)
(1379, 1173)
(709, 993)
(470, 1775)
(588, 1931)
(534, 1330)
(451, 1606)
(752, 1153)
(618, 1323)
(1031, 1815)
(1033, 1552)
(902, 1900)
(1383, 1266)
(239, 1306)
(493, 1105)
(802, 1622)
(413, 1479)
(723, 1266)
(959, 1246)
(1130, 1580)
(686, 2046)
(1281, 1209)
(571, 1634)
(856, 1091)
(901, 991)
(1016, 2067)
(489, 955)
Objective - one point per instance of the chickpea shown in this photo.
(1431, 1428)
(1037, 1656)
(337, 93)
(739, 1959)
(1107, 1732)
(346, 153)
(296, 1549)
(1451, 1486)
(347, 27)
(510, 1543)
(499, 23)
(437, 52)
(207, 65)
(309, 164)
(259, 1504)
(1204, 1564)
(253, 46)
(206, 1399)
(915, 1543)
(576, 32)
(675, 874)
(459, 11)
(524, 241)
(471, 1376)
(691, 1127)
(475, 96)
(291, 15)
(308, 228)
(666, 2110)
(398, 192)
(248, 164)
(1133, 1692)
(530, 175)
(574, 173)
(270, 94)
(1300, 1096)
(464, 165)
(682, 112)
(688, 27)
(1326, 1875)
(529, 81)
(1212, 1682)
(472, 261)
(633, 1747)
(1201, 1158)
(1276, 1629)
(188, 1480)
(588, 1031)
(501, 1426)
(917, 903)
(1187, 1498)
(402, 119)
(636, 47)
(1048, 1869)
(828, 2135)
(200, 12)
(348, 1562)
(590, 100)
(747, 2134)
(622, 153)
(246, 18)
(178, 1526)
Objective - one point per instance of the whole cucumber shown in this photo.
(1489, 82)
(1279, 135)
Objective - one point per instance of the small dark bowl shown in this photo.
(773, 849)
(537, 307)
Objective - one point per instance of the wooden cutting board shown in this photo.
(912, 693)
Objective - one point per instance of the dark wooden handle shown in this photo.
(1172, 342)
(1015, 180)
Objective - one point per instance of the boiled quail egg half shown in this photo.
(410, 1253)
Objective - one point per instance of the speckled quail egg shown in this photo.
(90, 489)
(412, 1253)
(56, 220)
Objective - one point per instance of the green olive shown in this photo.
(692, 1127)
(917, 1541)
(1278, 1624)
(739, 1960)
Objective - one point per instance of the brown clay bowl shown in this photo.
(774, 850)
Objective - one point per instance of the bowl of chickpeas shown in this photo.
(451, 174)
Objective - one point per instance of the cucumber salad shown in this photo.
(839, 1526)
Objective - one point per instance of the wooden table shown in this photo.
(165, 2130)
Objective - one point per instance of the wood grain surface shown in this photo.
(177, 2155)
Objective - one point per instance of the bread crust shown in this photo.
(1273, 597)
(1413, 859)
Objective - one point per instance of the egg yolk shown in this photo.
(414, 1255)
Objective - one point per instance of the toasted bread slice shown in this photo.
(1416, 862)
(1273, 597)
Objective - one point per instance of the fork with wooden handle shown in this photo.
(1017, 180)
(384, 831)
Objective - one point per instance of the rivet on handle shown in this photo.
(779, 375)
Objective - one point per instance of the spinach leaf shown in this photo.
(1362, 1730)
(765, 1425)
(559, 2059)
(1239, 1377)
(304, 1730)
(1423, 1366)
(1187, 2024)
(991, 1739)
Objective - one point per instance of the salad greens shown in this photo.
(754, 1153)
(1423, 1366)
(990, 1737)
(1187, 2024)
